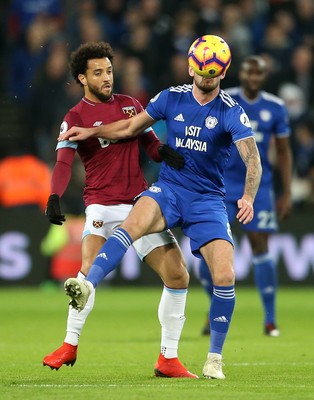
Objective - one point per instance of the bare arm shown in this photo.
(250, 155)
(284, 165)
(122, 129)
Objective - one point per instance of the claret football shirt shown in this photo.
(113, 170)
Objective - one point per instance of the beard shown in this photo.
(206, 85)
(100, 95)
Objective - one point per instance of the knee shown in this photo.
(178, 278)
(185, 278)
(224, 278)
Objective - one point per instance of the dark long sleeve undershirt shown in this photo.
(62, 171)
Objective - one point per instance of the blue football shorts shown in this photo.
(202, 218)
(265, 217)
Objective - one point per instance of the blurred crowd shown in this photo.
(151, 39)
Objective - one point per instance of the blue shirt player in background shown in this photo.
(202, 123)
(269, 120)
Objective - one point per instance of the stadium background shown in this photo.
(150, 39)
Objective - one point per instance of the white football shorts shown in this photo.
(104, 220)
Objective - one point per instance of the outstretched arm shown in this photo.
(251, 158)
(122, 129)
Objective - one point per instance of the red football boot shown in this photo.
(66, 354)
(171, 368)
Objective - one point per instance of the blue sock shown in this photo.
(266, 282)
(109, 256)
(221, 310)
(206, 278)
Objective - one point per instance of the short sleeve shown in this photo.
(238, 124)
(157, 106)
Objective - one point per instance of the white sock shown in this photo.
(171, 317)
(76, 320)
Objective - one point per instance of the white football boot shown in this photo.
(213, 367)
(79, 292)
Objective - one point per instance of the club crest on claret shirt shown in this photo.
(97, 223)
(130, 111)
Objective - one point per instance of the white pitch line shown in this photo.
(293, 385)
(103, 385)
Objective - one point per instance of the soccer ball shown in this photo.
(209, 56)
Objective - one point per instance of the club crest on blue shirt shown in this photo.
(211, 122)
(265, 115)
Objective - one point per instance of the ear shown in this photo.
(222, 75)
(191, 72)
(82, 79)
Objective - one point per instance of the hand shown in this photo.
(53, 211)
(246, 212)
(76, 133)
(284, 206)
(171, 157)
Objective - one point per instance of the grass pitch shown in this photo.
(120, 344)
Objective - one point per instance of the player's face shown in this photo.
(206, 85)
(252, 76)
(98, 82)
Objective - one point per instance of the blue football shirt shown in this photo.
(203, 134)
(269, 117)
